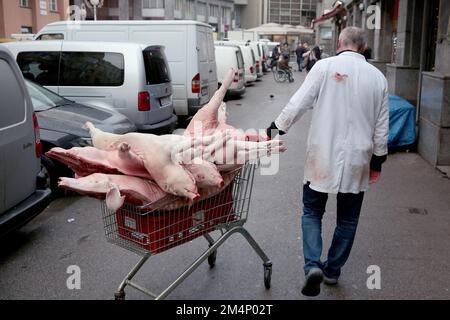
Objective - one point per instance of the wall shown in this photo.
(14, 17)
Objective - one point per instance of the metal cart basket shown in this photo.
(146, 230)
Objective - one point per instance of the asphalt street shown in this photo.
(404, 230)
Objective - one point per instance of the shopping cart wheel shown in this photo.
(267, 276)
(119, 296)
(212, 259)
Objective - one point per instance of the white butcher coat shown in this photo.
(350, 121)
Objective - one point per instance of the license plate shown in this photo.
(165, 101)
(204, 91)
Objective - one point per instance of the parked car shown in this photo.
(231, 57)
(62, 125)
(20, 151)
(133, 79)
(265, 55)
(258, 56)
(270, 46)
(249, 60)
(189, 47)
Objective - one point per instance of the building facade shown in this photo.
(217, 13)
(29, 16)
(293, 12)
(410, 41)
(249, 13)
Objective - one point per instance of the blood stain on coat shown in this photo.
(339, 77)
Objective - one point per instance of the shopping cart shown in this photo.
(148, 230)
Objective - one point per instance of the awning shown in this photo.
(336, 10)
(276, 29)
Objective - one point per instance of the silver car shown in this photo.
(130, 78)
(20, 150)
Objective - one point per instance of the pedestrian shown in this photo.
(275, 56)
(276, 52)
(346, 147)
(301, 49)
(367, 53)
(285, 50)
(311, 57)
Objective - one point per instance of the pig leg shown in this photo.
(102, 140)
(209, 111)
(114, 201)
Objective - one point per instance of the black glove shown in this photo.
(273, 131)
(376, 162)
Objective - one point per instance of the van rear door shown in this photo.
(19, 162)
(207, 64)
(158, 83)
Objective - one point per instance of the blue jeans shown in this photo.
(348, 210)
(300, 62)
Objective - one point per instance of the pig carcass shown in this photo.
(182, 167)
(118, 189)
(88, 160)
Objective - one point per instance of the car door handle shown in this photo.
(210, 71)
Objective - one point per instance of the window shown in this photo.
(214, 11)
(92, 69)
(40, 67)
(13, 108)
(201, 9)
(26, 30)
(240, 59)
(42, 98)
(53, 5)
(153, 4)
(156, 69)
(179, 5)
(51, 36)
(190, 9)
(24, 4)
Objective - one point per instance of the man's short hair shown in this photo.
(353, 37)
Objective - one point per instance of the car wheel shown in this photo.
(49, 175)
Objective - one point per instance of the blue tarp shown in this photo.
(402, 122)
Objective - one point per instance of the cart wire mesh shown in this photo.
(147, 230)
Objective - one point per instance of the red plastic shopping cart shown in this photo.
(153, 228)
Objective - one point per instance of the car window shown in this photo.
(92, 69)
(42, 98)
(240, 59)
(40, 67)
(12, 108)
(253, 56)
(156, 69)
(51, 36)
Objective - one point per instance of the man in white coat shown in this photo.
(346, 147)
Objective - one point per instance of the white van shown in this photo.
(231, 57)
(249, 59)
(189, 48)
(257, 50)
(131, 78)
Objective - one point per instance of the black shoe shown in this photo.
(330, 281)
(314, 278)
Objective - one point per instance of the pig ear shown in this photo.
(114, 201)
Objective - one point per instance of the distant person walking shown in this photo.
(299, 52)
(312, 56)
(347, 145)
